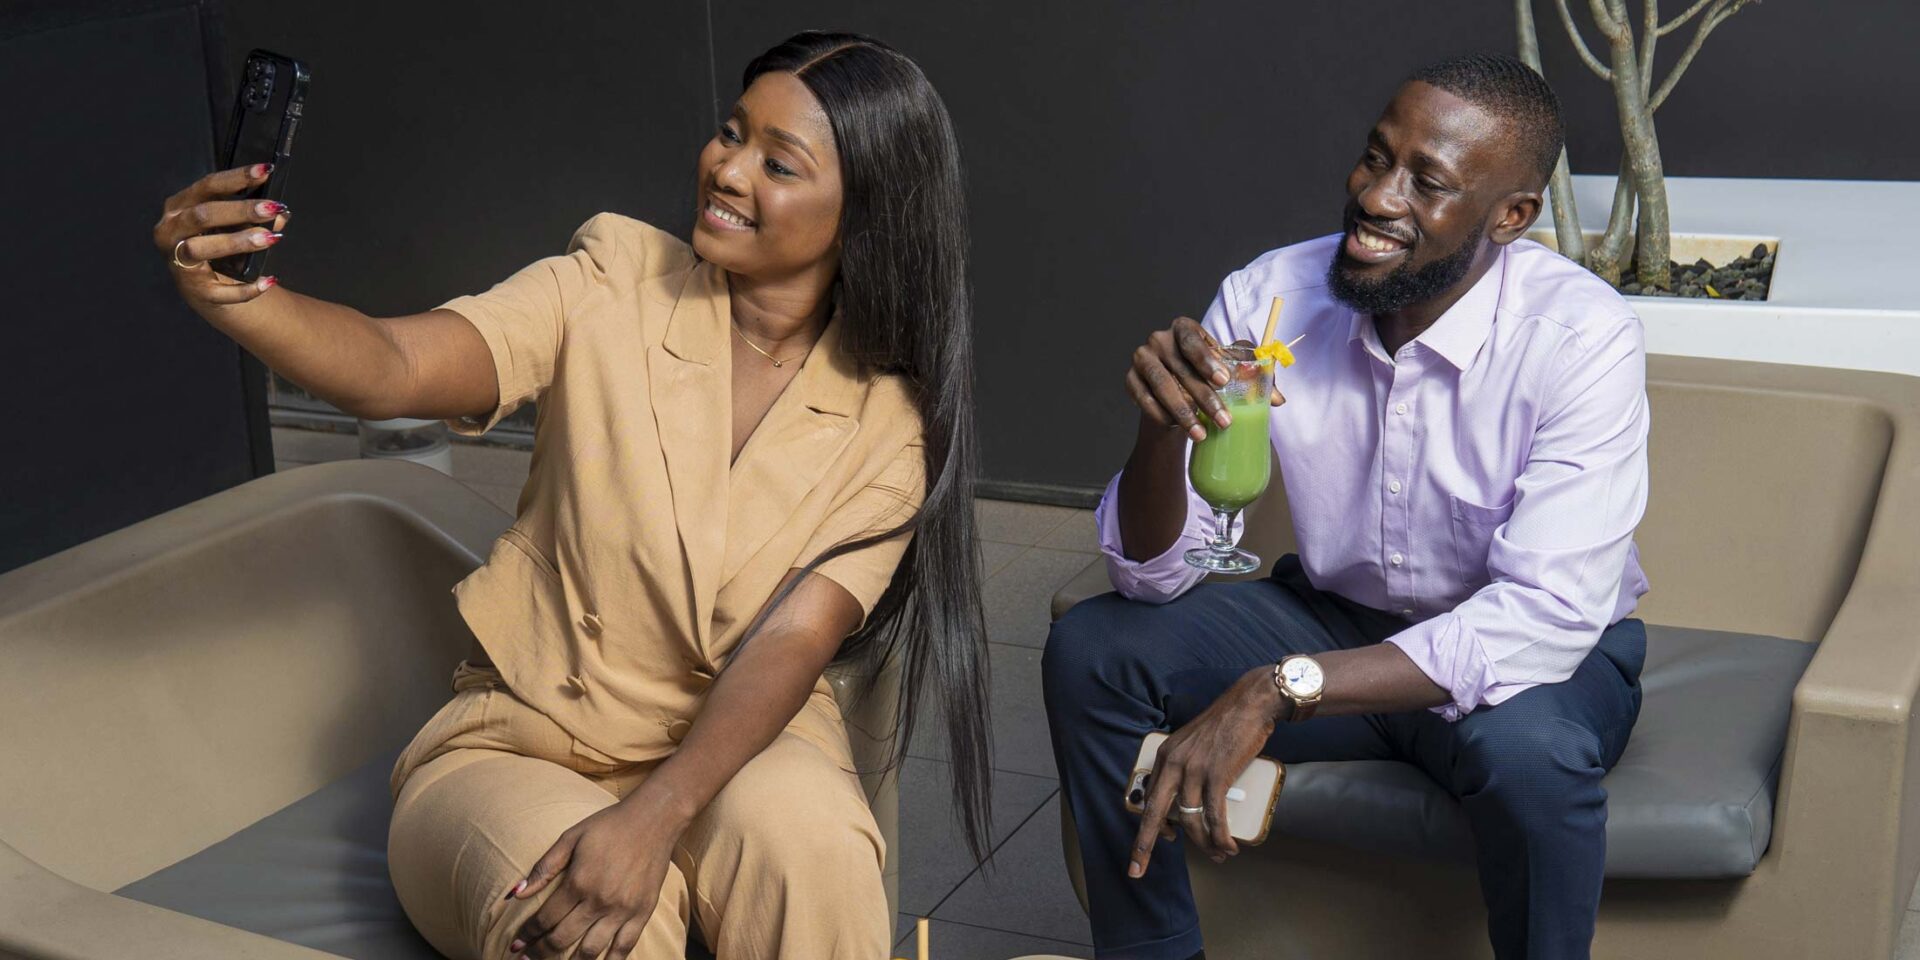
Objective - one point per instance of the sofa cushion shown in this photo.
(1691, 797)
(314, 873)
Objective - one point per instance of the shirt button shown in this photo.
(1393, 486)
(1397, 559)
(591, 624)
(577, 685)
(1400, 409)
(677, 730)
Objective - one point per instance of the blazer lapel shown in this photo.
(688, 376)
(801, 436)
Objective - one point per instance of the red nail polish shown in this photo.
(272, 207)
(262, 169)
(268, 283)
(271, 239)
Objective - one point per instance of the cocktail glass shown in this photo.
(1231, 467)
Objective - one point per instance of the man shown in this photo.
(1463, 446)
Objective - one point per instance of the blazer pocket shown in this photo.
(1473, 527)
(524, 544)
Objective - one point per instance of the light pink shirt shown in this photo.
(1484, 481)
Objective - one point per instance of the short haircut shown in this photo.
(1512, 91)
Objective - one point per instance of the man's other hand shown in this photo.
(1199, 762)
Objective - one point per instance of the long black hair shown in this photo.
(906, 307)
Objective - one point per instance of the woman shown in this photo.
(764, 437)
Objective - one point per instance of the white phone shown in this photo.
(1249, 801)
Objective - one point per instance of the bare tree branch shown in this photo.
(1714, 18)
(1580, 43)
(1610, 26)
(1649, 35)
(1680, 21)
(1566, 215)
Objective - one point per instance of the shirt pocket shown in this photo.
(1473, 527)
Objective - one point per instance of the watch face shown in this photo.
(1303, 676)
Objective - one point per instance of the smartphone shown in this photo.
(1249, 801)
(266, 115)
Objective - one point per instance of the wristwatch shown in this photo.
(1301, 681)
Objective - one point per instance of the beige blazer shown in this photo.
(638, 556)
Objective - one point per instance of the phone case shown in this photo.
(266, 116)
(1250, 800)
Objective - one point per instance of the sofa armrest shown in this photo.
(44, 916)
(1848, 814)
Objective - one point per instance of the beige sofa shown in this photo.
(1785, 507)
(199, 711)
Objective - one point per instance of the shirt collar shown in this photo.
(1458, 333)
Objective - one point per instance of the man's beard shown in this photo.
(1404, 286)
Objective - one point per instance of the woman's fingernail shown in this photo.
(268, 283)
(1134, 871)
(517, 946)
(270, 208)
(266, 239)
(1197, 433)
(262, 169)
(1223, 418)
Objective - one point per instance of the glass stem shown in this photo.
(1223, 531)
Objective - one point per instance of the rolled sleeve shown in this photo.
(1557, 563)
(523, 318)
(884, 503)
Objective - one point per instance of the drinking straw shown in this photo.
(1273, 317)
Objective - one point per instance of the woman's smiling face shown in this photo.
(770, 189)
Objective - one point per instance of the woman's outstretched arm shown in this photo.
(429, 365)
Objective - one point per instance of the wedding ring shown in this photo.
(1192, 811)
(176, 257)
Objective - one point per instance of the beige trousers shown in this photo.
(785, 862)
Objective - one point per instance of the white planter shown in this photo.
(1846, 277)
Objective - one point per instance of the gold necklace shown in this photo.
(756, 347)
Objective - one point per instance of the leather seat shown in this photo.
(1692, 797)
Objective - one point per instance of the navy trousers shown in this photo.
(1526, 771)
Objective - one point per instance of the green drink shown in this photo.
(1231, 467)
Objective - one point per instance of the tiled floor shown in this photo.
(1022, 904)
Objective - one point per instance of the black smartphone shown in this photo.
(266, 115)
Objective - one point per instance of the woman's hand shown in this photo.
(190, 233)
(610, 867)
(1199, 762)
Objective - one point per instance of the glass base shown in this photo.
(1224, 561)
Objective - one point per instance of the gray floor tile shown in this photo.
(1023, 523)
(313, 446)
(1907, 947)
(1076, 532)
(933, 855)
(500, 466)
(1019, 721)
(1913, 902)
(947, 940)
(1027, 891)
(994, 556)
(1019, 599)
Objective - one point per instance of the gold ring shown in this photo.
(176, 257)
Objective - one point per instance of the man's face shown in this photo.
(1434, 179)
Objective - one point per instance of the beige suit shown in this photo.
(636, 562)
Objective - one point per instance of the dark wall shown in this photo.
(120, 402)
(1122, 156)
